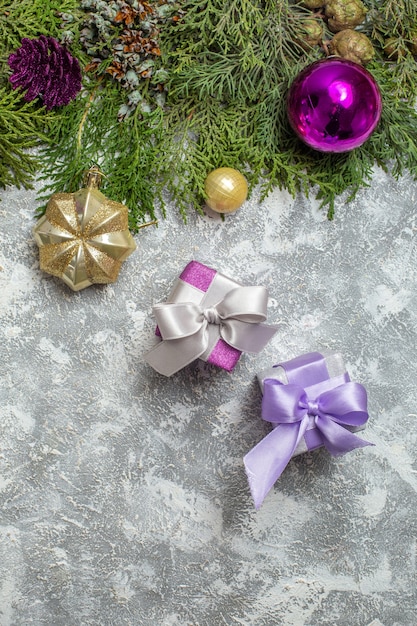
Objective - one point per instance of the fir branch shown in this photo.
(23, 126)
(133, 167)
(20, 124)
(252, 75)
(29, 18)
(227, 68)
(201, 141)
(394, 142)
(392, 25)
(400, 14)
(69, 152)
(88, 132)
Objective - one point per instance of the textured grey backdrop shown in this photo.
(123, 494)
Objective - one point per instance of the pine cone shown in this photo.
(343, 14)
(352, 45)
(392, 49)
(311, 33)
(46, 69)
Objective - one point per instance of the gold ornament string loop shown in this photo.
(93, 176)
(92, 180)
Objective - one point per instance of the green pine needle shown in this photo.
(230, 65)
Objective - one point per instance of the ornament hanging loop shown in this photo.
(92, 180)
(93, 177)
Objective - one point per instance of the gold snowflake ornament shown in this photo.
(83, 237)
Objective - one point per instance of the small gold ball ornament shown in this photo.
(226, 190)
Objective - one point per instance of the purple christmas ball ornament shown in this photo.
(334, 105)
(46, 69)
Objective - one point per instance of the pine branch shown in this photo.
(88, 132)
(23, 126)
(20, 124)
(226, 68)
(28, 18)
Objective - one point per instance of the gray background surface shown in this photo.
(123, 498)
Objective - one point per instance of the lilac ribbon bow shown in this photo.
(290, 407)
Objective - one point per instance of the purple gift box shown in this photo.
(209, 316)
(310, 402)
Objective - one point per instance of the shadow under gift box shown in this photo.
(202, 292)
(311, 402)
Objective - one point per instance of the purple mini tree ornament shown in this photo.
(46, 69)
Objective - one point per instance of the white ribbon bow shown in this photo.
(184, 327)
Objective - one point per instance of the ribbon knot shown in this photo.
(288, 407)
(188, 328)
(212, 316)
(312, 408)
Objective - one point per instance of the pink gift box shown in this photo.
(197, 283)
(207, 293)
